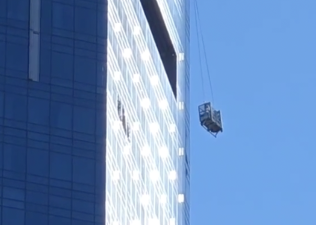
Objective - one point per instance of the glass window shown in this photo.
(100, 123)
(60, 166)
(63, 16)
(37, 162)
(14, 157)
(85, 21)
(17, 57)
(102, 24)
(53, 220)
(3, 7)
(15, 107)
(12, 216)
(100, 172)
(60, 202)
(61, 115)
(83, 206)
(46, 17)
(2, 49)
(45, 61)
(37, 197)
(83, 174)
(32, 218)
(38, 111)
(13, 193)
(85, 70)
(18, 9)
(100, 207)
(1, 158)
(101, 71)
(81, 222)
(1, 103)
(62, 65)
(84, 120)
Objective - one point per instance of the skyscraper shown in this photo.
(94, 122)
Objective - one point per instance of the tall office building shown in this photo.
(94, 122)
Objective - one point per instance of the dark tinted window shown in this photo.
(100, 123)
(85, 70)
(102, 24)
(1, 158)
(12, 216)
(82, 206)
(62, 65)
(37, 162)
(15, 107)
(83, 174)
(59, 220)
(60, 202)
(1, 104)
(63, 16)
(162, 40)
(18, 9)
(81, 222)
(85, 21)
(14, 193)
(14, 157)
(32, 218)
(17, 57)
(3, 7)
(38, 111)
(37, 197)
(2, 49)
(60, 166)
(84, 120)
(61, 115)
(46, 16)
(45, 62)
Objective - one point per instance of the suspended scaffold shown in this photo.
(210, 118)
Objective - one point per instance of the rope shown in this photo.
(198, 22)
(199, 51)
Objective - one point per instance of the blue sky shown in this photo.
(262, 169)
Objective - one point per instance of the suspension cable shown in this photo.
(198, 23)
(199, 52)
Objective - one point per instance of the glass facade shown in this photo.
(52, 112)
(147, 159)
(91, 132)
